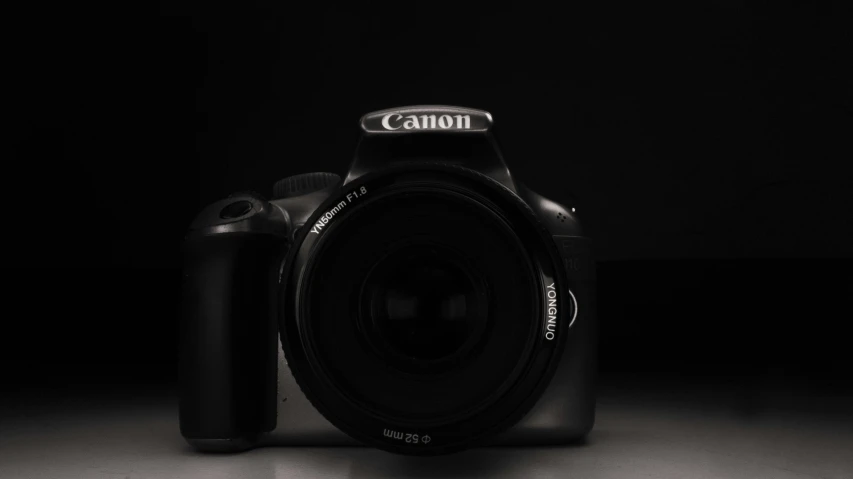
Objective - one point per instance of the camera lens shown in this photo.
(423, 308)
(421, 305)
(415, 301)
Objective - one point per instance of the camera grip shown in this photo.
(229, 339)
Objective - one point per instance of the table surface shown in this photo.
(666, 436)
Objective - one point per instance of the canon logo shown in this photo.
(395, 121)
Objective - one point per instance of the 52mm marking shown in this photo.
(406, 437)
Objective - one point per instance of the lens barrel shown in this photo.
(415, 308)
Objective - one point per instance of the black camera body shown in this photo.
(425, 303)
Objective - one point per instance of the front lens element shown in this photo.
(422, 305)
(423, 308)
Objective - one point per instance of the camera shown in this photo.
(423, 303)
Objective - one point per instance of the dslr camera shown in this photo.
(423, 303)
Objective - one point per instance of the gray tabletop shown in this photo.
(663, 437)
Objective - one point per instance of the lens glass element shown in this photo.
(421, 305)
(423, 308)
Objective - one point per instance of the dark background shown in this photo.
(709, 146)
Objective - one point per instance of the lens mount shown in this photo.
(415, 308)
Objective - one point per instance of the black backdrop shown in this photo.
(709, 146)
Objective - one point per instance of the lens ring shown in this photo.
(469, 431)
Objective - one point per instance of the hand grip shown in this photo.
(229, 339)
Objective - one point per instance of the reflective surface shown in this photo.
(425, 307)
(692, 433)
